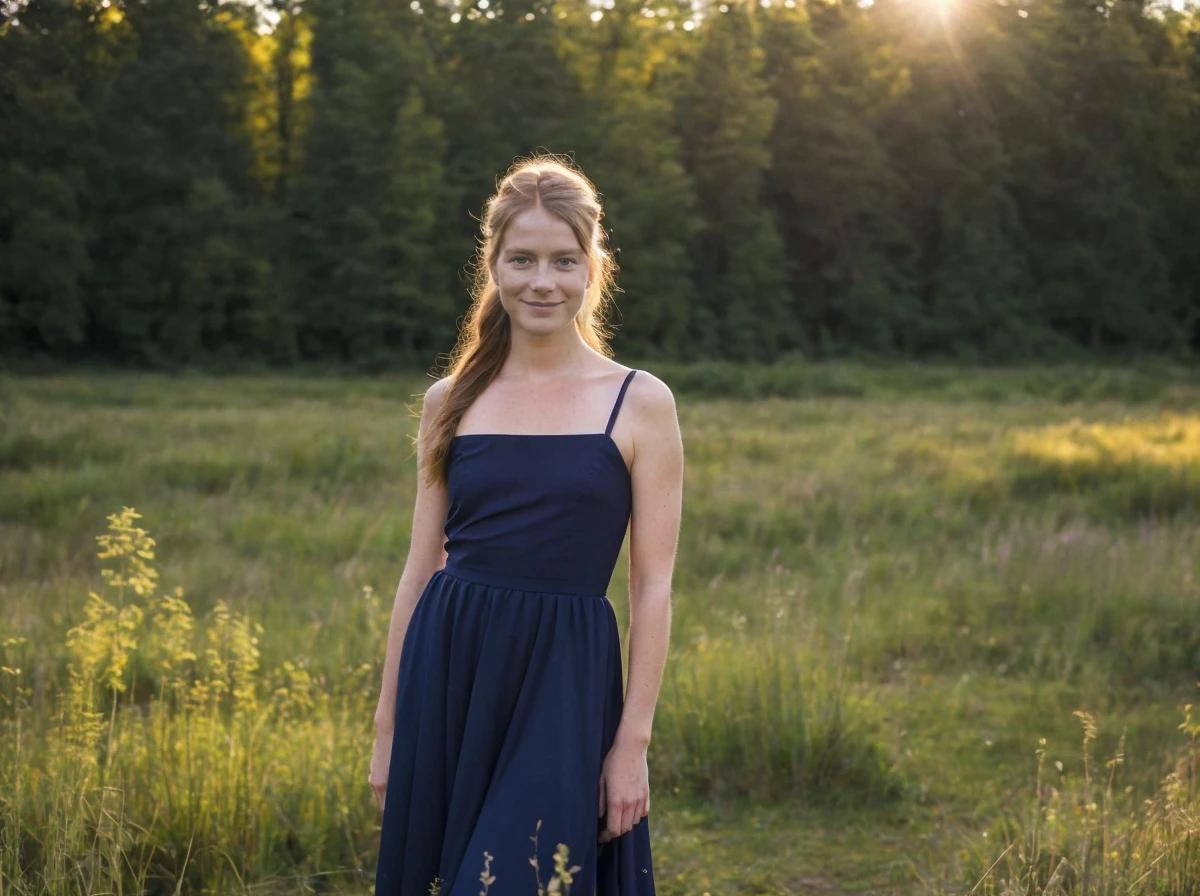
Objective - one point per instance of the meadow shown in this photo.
(935, 630)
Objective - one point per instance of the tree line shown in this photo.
(301, 180)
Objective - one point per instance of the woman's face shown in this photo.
(541, 271)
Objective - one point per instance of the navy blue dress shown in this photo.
(510, 683)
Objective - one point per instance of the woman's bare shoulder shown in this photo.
(435, 394)
(651, 396)
(651, 403)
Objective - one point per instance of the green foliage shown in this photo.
(179, 275)
(630, 143)
(205, 184)
(44, 226)
(839, 194)
(370, 190)
(725, 114)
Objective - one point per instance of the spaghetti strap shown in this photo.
(612, 418)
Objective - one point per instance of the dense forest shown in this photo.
(188, 182)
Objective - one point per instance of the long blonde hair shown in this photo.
(547, 181)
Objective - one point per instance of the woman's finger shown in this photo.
(630, 817)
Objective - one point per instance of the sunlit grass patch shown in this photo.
(1127, 467)
(1171, 441)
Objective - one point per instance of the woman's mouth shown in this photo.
(541, 304)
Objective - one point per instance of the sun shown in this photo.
(944, 8)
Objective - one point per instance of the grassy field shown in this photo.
(918, 611)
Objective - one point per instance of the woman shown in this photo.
(502, 730)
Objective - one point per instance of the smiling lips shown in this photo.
(542, 304)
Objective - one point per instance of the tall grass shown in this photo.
(1087, 834)
(762, 720)
(889, 578)
(177, 763)
(174, 762)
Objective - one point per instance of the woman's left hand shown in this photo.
(624, 789)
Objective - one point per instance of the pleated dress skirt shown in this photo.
(507, 702)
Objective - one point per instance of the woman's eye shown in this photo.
(521, 259)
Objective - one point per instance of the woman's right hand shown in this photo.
(381, 758)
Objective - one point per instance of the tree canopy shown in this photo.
(301, 180)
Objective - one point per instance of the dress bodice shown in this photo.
(538, 512)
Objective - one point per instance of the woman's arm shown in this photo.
(425, 556)
(657, 474)
(654, 534)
